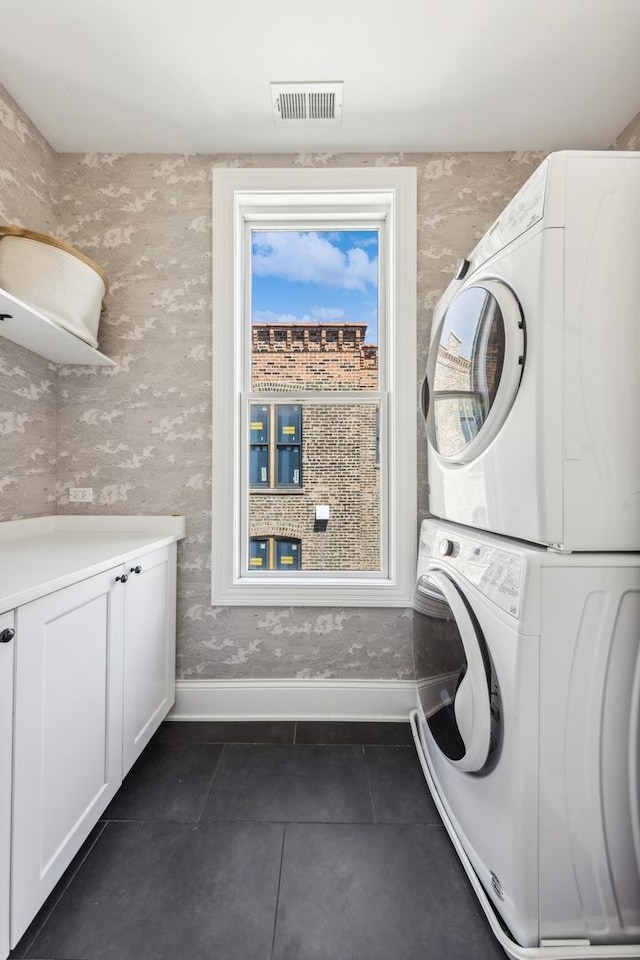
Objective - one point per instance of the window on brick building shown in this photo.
(275, 446)
(314, 361)
(274, 553)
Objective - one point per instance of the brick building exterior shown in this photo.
(312, 356)
(472, 382)
(453, 373)
(339, 449)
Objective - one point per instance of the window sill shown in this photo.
(280, 588)
(276, 491)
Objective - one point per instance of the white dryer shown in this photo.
(533, 378)
(528, 668)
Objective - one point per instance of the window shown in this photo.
(275, 446)
(314, 431)
(274, 553)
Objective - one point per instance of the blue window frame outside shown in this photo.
(275, 446)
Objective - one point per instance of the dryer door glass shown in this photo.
(474, 369)
(453, 673)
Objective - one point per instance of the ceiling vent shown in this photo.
(313, 104)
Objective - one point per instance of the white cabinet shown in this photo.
(92, 673)
(67, 732)
(7, 648)
(149, 648)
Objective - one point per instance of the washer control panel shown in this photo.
(498, 573)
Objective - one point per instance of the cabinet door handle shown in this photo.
(122, 579)
(7, 635)
(136, 569)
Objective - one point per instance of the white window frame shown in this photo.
(246, 194)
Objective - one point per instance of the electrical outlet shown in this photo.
(81, 495)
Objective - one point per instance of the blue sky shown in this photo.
(315, 275)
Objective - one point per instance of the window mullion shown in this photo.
(273, 480)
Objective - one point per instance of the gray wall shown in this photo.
(28, 173)
(629, 139)
(139, 433)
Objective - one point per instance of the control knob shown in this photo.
(446, 547)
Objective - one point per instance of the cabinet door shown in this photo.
(149, 648)
(67, 732)
(6, 736)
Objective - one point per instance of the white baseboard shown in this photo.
(294, 700)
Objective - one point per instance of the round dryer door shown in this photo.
(459, 719)
(474, 369)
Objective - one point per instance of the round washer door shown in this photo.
(461, 722)
(474, 369)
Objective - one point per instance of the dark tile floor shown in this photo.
(267, 841)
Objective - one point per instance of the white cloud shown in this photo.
(322, 314)
(327, 313)
(311, 258)
(269, 316)
(366, 242)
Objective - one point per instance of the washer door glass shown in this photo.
(457, 701)
(474, 371)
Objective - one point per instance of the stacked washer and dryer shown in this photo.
(527, 612)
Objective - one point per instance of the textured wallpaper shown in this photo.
(140, 433)
(629, 139)
(27, 383)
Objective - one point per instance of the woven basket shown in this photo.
(53, 278)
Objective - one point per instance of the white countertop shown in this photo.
(45, 554)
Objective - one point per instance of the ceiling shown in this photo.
(192, 76)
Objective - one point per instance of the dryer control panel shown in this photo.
(498, 573)
(525, 210)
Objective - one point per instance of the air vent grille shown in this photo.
(322, 106)
(308, 103)
(292, 106)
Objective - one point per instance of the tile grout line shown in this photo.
(366, 767)
(64, 889)
(275, 915)
(208, 794)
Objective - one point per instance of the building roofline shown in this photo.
(334, 324)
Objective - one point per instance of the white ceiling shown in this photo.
(192, 76)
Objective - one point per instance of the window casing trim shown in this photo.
(331, 195)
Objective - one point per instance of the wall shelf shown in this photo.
(28, 328)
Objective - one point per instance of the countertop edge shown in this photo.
(157, 538)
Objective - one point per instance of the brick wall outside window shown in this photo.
(338, 443)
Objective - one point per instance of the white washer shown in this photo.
(533, 379)
(528, 668)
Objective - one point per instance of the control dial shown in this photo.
(446, 547)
